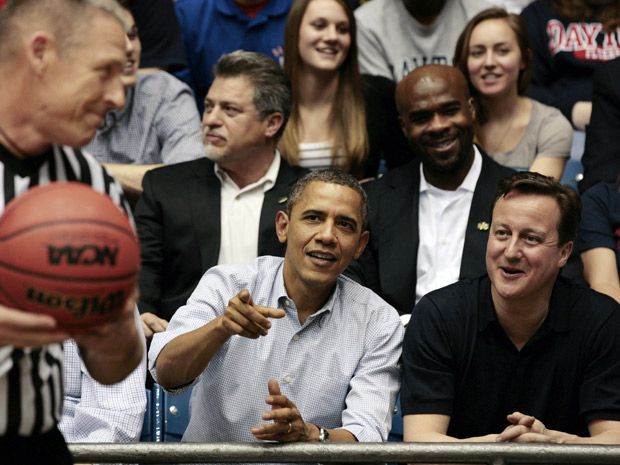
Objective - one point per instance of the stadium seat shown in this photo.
(573, 173)
(396, 434)
(171, 414)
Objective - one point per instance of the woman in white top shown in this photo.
(338, 118)
(327, 123)
(494, 54)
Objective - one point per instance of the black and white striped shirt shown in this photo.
(31, 390)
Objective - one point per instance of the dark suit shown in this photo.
(601, 159)
(388, 265)
(178, 220)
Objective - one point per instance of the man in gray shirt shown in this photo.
(159, 124)
(396, 36)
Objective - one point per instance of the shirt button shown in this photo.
(288, 379)
(296, 337)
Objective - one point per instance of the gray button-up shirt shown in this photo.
(158, 124)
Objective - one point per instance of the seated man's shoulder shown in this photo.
(401, 177)
(586, 302)
(245, 273)
(160, 85)
(295, 171)
(458, 299)
(369, 306)
(228, 279)
(608, 191)
(181, 170)
(452, 313)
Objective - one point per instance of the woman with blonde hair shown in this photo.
(494, 55)
(338, 118)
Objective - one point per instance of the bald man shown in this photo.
(429, 219)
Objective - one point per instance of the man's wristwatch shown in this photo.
(323, 435)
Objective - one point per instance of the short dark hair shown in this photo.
(330, 176)
(272, 89)
(527, 182)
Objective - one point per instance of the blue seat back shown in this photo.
(147, 423)
(171, 414)
(396, 434)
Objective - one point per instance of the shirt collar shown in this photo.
(286, 303)
(468, 184)
(266, 182)
(559, 305)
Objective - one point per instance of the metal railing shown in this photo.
(489, 453)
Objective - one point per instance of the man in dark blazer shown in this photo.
(458, 186)
(179, 216)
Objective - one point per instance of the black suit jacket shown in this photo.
(388, 265)
(601, 159)
(178, 221)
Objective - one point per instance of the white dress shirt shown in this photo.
(240, 214)
(442, 221)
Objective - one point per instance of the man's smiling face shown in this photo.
(524, 256)
(323, 233)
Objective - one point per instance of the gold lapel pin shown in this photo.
(483, 226)
(282, 200)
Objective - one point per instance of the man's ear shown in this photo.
(401, 123)
(274, 123)
(565, 253)
(472, 108)
(363, 242)
(40, 49)
(282, 226)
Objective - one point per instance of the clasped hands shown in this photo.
(527, 429)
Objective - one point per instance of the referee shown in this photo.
(60, 66)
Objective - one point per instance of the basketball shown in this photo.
(69, 252)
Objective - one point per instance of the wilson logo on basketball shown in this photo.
(84, 255)
(78, 306)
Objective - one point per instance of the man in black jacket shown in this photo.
(429, 219)
(220, 209)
